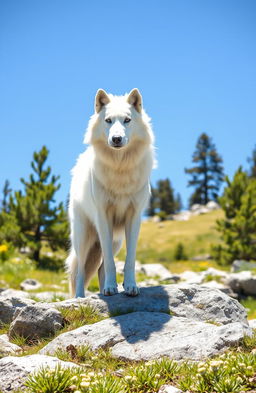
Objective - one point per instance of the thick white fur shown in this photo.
(109, 190)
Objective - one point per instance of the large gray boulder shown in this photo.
(243, 283)
(6, 347)
(151, 335)
(194, 302)
(15, 370)
(36, 321)
(9, 303)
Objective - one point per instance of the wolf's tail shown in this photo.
(71, 268)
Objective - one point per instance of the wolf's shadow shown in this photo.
(140, 316)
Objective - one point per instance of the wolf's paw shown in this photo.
(131, 290)
(109, 291)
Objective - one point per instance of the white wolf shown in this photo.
(109, 190)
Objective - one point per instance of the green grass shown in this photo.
(157, 243)
(231, 372)
(76, 317)
(250, 305)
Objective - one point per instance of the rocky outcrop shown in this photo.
(196, 210)
(15, 370)
(189, 301)
(182, 322)
(36, 321)
(150, 335)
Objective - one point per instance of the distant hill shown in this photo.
(157, 241)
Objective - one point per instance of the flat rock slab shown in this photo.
(190, 301)
(151, 335)
(15, 370)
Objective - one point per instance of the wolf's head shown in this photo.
(119, 121)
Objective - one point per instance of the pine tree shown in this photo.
(165, 197)
(178, 203)
(207, 174)
(151, 210)
(6, 194)
(238, 227)
(35, 210)
(10, 231)
(252, 161)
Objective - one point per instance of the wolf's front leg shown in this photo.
(132, 228)
(105, 232)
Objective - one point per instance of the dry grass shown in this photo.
(158, 241)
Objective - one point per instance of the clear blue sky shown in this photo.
(194, 62)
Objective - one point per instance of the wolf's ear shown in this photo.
(101, 99)
(135, 99)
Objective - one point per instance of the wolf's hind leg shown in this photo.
(93, 262)
(101, 276)
(71, 268)
(82, 237)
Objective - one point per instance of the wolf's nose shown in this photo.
(116, 140)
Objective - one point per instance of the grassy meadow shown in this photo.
(157, 243)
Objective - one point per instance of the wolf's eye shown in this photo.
(127, 120)
(108, 120)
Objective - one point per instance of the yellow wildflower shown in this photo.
(3, 248)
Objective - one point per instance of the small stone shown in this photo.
(6, 347)
(169, 389)
(30, 284)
